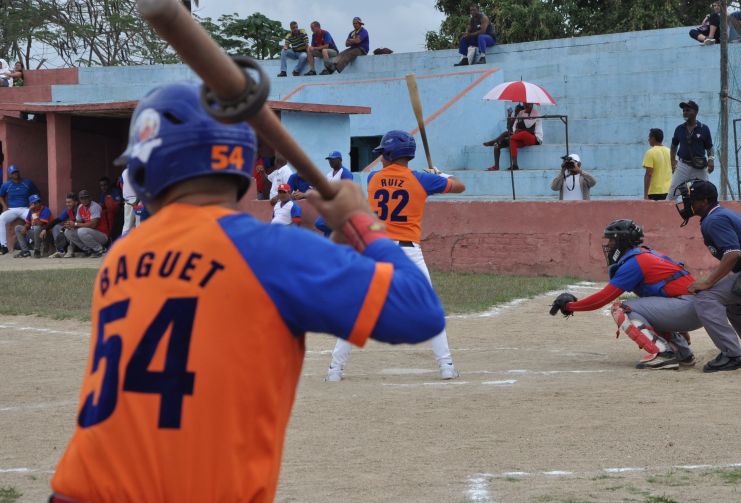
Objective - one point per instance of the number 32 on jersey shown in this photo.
(393, 202)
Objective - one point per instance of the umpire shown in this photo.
(718, 298)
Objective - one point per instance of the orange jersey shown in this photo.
(196, 352)
(397, 194)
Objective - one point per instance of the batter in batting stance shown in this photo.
(398, 194)
(198, 338)
(664, 308)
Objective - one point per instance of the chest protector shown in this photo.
(649, 289)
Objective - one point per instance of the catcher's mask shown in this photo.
(619, 237)
(690, 191)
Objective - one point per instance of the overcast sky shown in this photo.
(400, 26)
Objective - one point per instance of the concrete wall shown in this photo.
(321, 133)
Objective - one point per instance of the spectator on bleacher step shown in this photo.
(528, 131)
(658, 165)
(572, 182)
(14, 199)
(295, 45)
(5, 79)
(17, 75)
(34, 228)
(357, 43)
(65, 249)
(322, 45)
(708, 32)
(691, 141)
(479, 36)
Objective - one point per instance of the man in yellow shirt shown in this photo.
(658, 166)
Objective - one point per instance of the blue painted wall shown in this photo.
(320, 134)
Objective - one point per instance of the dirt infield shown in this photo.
(546, 410)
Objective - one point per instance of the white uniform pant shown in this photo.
(8, 217)
(131, 219)
(440, 348)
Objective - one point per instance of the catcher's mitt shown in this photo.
(559, 304)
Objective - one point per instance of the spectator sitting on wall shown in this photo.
(14, 197)
(691, 141)
(322, 45)
(34, 228)
(64, 249)
(286, 211)
(278, 176)
(734, 21)
(294, 47)
(111, 199)
(357, 43)
(299, 186)
(5, 79)
(88, 232)
(573, 183)
(17, 75)
(658, 165)
(479, 36)
(708, 32)
(528, 132)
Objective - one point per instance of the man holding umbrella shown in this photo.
(528, 132)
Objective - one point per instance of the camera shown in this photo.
(569, 164)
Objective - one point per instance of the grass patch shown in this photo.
(9, 494)
(463, 292)
(671, 479)
(660, 499)
(729, 476)
(604, 476)
(57, 293)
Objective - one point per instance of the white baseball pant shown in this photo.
(440, 348)
(131, 219)
(7, 217)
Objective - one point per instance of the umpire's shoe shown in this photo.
(722, 362)
(666, 360)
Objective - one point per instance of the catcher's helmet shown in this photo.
(620, 236)
(172, 138)
(693, 190)
(396, 144)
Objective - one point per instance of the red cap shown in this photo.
(284, 187)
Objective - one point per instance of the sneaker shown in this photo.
(448, 371)
(70, 253)
(492, 143)
(333, 374)
(493, 168)
(57, 254)
(311, 72)
(709, 41)
(326, 71)
(722, 362)
(37, 254)
(665, 360)
(22, 254)
(282, 74)
(4, 250)
(689, 361)
(513, 168)
(462, 62)
(97, 254)
(296, 74)
(481, 61)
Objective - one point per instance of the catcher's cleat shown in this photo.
(663, 361)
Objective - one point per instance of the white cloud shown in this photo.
(398, 26)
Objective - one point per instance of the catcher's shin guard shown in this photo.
(643, 335)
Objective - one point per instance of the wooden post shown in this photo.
(723, 151)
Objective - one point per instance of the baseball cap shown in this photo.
(12, 169)
(335, 154)
(284, 187)
(83, 193)
(689, 104)
(702, 189)
(573, 157)
(34, 198)
(356, 18)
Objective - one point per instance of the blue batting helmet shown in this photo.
(34, 198)
(172, 138)
(396, 144)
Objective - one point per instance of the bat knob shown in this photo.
(246, 105)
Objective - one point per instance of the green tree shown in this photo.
(256, 36)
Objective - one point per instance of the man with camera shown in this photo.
(573, 183)
(690, 143)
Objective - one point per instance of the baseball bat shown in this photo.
(417, 107)
(175, 25)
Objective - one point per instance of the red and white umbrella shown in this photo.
(522, 92)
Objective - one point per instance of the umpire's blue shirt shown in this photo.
(18, 193)
(721, 231)
(692, 144)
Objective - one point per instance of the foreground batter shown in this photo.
(664, 312)
(398, 195)
(198, 336)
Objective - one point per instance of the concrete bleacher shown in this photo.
(613, 88)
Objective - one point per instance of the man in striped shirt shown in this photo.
(295, 44)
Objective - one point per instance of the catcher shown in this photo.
(658, 320)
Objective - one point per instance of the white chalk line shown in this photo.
(37, 406)
(417, 371)
(478, 489)
(50, 331)
(421, 348)
(24, 470)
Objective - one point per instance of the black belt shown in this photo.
(406, 244)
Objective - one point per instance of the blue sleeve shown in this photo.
(325, 286)
(433, 184)
(629, 276)
(371, 175)
(45, 214)
(321, 224)
(363, 35)
(4, 189)
(295, 210)
(723, 234)
(328, 39)
(346, 174)
(293, 182)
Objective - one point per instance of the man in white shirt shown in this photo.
(528, 131)
(286, 211)
(131, 219)
(279, 176)
(572, 182)
(5, 79)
